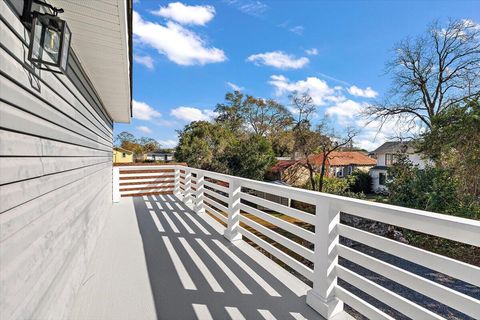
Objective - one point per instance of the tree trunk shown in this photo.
(322, 174)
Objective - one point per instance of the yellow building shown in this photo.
(122, 155)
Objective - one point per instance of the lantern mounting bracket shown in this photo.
(27, 14)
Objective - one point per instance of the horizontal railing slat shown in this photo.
(159, 180)
(284, 241)
(440, 225)
(294, 213)
(447, 296)
(279, 254)
(360, 305)
(214, 212)
(216, 186)
(216, 195)
(159, 191)
(386, 296)
(215, 204)
(454, 268)
(148, 185)
(285, 225)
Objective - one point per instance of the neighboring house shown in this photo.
(292, 172)
(339, 164)
(159, 156)
(56, 146)
(386, 155)
(343, 163)
(122, 155)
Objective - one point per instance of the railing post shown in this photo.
(116, 184)
(176, 187)
(322, 297)
(199, 186)
(232, 232)
(187, 197)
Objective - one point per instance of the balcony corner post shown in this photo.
(199, 208)
(187, 198)
(232, 232)
(322, 297)
(116, 184)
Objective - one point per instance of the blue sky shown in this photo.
(189, 54)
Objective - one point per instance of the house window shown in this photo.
(124, 155)
(340, 173)
(382, 177)
(389, 159)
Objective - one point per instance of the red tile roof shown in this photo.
(344, 158)
(283, 164)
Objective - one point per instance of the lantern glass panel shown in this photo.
(50, 41)
(36, 51)
(65, 48)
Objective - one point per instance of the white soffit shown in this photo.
(100, 40)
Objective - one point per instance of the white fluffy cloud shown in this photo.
(185, 14)
(312, 51)
(278, 59)
(193, 114)
(177, 43)
(235, 87)
(146, 60)
(364, 93)
(345, 111)
(318, 89)
(144, 129)
(143, 111)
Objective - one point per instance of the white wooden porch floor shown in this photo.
(157, 259)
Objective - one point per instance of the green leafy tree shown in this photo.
(148, 144)
(202, 145)
(362, 182)
(250, 158)
(432, 189)
(454, 143)
(229, 112)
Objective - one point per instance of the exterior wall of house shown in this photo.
(295, 175)
(415, 158)
(55, 180)
(118, 157)
(376, 186)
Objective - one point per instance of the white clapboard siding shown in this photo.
(55, 178)
(17, 42)
(18, 168)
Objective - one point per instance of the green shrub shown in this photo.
(362, 182)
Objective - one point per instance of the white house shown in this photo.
(164, 156)
(386, 156)
(64, 81)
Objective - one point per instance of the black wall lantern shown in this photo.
(49, 39)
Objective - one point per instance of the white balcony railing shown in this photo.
(314, 244)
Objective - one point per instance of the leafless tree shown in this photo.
(303, 106)
(322, 140)
(432, 73)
